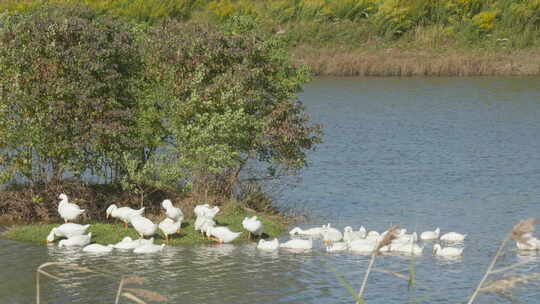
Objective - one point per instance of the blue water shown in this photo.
(462, 154)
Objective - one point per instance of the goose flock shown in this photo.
(363, 241)
(357, 241)
(74, 234)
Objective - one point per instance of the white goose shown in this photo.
(68, 211)
(143, 226)
(453, 237)
(206, 224)
(77, 240)
(331, 234)
(408, 248)
(430, 235)
(149, 248)
(350, 235)
(172, 212)
(447, 251)
(407, 238)
(530, 243)
(364, 245)
(200, 210)
(129, 244)
(315, 231)
(67, 230)
(337, 246)
(222, 234)
(123, 213)
(253, 225)
(169, 227)
(373, 233)
(298, 244)
(268, 245)
(97, 248)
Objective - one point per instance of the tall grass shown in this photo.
(469, 22)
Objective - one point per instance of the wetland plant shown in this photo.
(133, 293)
(505, 285)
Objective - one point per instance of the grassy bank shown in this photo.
(109, 233)
(368, 37)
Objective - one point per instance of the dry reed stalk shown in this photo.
(398, 62)
(146, 294)
(397, 274)
(133, 298)
(119, 291)
(523, 227)
(388, 238)
(134, 294)
(506, 285)
(40, 270)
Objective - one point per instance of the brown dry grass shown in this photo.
(508, 284)
(398, 62)
(521, 229)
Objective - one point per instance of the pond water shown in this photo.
(458, 153)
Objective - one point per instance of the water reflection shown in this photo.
(461, 154)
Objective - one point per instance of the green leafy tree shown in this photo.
(229, 98)
(68, 82)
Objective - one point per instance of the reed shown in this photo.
(406, 63)
(137, 295)
(517, 233)
(388, 238)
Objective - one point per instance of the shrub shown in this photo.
(67, 94)
(166, 108)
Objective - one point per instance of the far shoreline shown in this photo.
(395, 62)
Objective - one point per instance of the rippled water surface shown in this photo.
(459, 153)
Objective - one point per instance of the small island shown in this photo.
(111, 111)
(110, 233)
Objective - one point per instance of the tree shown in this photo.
(68, 82)
(172, 107)
(231, 97)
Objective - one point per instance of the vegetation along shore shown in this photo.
(110, 111)
(366, 37)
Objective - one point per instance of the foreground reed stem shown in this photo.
(488, 271)
(364, 282)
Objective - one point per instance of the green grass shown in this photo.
(109, 233)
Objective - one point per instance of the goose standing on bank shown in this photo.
(169, 227)
(253, 226)
(123, 213)
(172, 212)
(222, 234)
(68, 211)
(143, 226)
